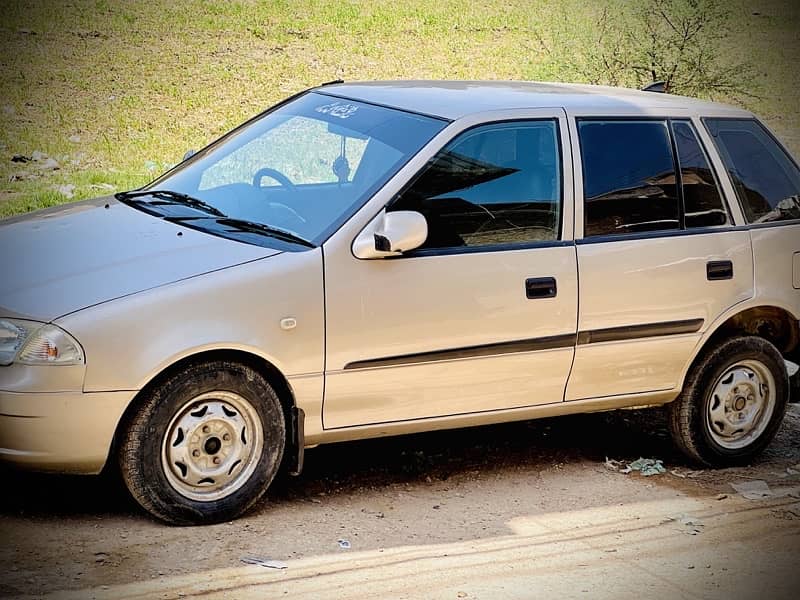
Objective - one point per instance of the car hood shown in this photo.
(56, 261)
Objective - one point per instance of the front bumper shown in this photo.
(69, 432)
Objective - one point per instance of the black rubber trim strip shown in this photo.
(531, 345)
(487, 248)
(631, 332)
(614, 334)
(667, 233)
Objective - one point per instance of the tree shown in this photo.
(679, 42)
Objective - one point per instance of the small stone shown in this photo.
(690, 567)
(462, 594)
(38, 155)
(721, 496)
(50, 164)
(67, 190)
(75, 138)
(436, 506)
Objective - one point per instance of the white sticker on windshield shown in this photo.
(341, 110)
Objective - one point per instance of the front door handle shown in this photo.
(719, 270)
(540, 287)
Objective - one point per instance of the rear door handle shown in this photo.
(540, 287)
(719, 270)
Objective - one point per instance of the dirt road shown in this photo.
(526, 510)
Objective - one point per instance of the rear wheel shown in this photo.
(205, 444)
(733, 403)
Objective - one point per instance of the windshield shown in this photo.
(300, 170)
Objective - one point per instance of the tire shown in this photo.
(204, 445)
(733, 403)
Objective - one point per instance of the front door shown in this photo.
(482, 317)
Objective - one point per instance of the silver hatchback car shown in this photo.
(374, 259)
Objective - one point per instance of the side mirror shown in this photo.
(391, 234)
(189, 154)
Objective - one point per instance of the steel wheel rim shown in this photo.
(741, 404)
(212, 446)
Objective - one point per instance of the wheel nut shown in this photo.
(226, 437)
(216, 460)
(206, 429)
(195, 453)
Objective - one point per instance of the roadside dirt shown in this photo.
(523, 510)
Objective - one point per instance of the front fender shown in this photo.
(131, 340)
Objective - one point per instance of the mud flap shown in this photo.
(296, 445)
(794, 381)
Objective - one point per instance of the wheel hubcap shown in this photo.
(741, 404)
(212, 446)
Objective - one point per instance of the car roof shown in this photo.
(456, 99)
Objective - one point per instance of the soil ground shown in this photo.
(523, 510)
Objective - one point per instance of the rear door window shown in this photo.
(629, 180)
(766, 180)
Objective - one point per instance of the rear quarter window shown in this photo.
(766, 179)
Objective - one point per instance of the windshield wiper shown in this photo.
(174, 198)
(253, 227)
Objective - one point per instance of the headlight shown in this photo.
(12, 335)
(33, 343)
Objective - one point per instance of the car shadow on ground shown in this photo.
(537, 445)
(337, 468)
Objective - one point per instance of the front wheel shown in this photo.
(205, 444)
(733, 403)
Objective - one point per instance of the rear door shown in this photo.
(659, 258)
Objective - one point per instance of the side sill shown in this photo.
(490, 417)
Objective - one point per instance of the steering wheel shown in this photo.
(273, 174)
(285, 183)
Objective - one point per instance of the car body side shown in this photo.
(239, 311)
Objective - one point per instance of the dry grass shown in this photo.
(116, 91)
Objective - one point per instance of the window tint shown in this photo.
(628, 177)
(496, 184)
(767, 182)
(702, 200)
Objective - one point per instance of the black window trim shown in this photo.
(673, 144)
(682, 230)
(648, 235)
(777, 142)
(453, 250)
